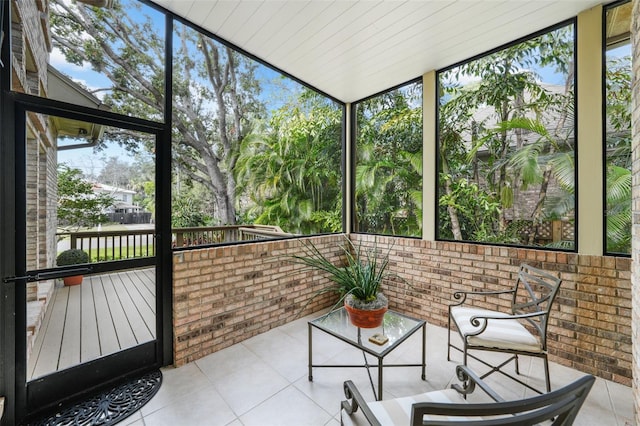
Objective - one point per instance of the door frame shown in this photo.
(42, 394)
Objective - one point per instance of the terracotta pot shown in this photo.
(365, 318)
(73, 280)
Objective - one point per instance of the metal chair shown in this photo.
(521, 331)
(450, 407)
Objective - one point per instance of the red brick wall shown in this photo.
(590, 328)
(224, 295)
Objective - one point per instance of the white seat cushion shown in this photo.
(499, 334)
(394, 412)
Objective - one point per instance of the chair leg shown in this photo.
(499, 369)
(449, 339)
(464, 357)
(546, 373)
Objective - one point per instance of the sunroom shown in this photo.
(191, 148)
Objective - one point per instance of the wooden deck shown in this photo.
(103, 315)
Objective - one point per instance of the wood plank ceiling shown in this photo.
(353, 49)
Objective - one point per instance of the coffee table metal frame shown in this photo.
(336, 323)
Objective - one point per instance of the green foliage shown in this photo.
(104, 255)
(290, 170)
(618, 144)
(618, 89)
(329, 221)
(389, 163)
(78, 205)
(505, 138)
(618, 215)
(72, 257)
(477, 210)
(186, 212)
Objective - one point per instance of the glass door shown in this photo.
(86, 254)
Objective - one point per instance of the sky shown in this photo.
(275, 91)
(91, 162)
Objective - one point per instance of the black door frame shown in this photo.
(14, 400)
(43, 393)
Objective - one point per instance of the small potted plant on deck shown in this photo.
(72, 257)
(357, 282)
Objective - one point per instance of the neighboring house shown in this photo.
(123, 198)
(123, 210)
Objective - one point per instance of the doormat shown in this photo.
(109, 407)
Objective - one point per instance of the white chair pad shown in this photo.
(394, 412)
(507, 334)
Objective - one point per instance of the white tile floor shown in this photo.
(263, 381)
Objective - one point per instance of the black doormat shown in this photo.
(109, 407)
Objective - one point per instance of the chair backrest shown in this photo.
(560, 407)
(535, 291)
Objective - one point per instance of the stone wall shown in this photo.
(224, 295)
(590, 328)
(30, 39)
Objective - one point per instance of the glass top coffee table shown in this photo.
(396, 327)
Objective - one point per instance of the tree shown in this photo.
(618, 149)
(187, 213)
(537, 163)
(214, 87)
(485, 129)
(78, 205)
(290, 170)
(116, 172)
(389, 162)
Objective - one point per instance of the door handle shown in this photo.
(41, 276)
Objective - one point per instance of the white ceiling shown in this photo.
(351, 49)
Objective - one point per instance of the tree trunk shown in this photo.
(453, 214)
(537, 212)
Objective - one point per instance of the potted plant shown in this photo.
(357, 282)
(72, 257)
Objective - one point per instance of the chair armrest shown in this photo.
(475, 320)
(355, 400)
(482, 321)
(461, 296)
(470, 380)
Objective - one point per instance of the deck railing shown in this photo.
(187, 237)
(127, 244)
(112, 245)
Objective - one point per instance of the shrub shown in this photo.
(72, 257)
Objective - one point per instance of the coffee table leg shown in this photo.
(424, 355)
(379, 379)
(310, 354)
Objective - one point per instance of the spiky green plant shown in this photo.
(360, 276)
